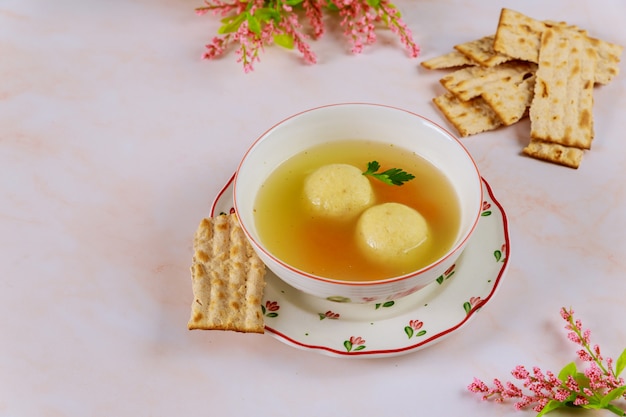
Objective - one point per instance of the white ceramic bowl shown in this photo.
(369, 122)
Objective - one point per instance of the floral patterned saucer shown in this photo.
(394, 327)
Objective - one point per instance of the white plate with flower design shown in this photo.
(394, 327)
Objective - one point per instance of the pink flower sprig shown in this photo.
(597, 387)
(254, 24)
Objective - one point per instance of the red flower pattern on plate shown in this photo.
(355, 343)
(329, 315)
(485, 210)
(447, 274)
(415, 329)
(473, 302)
(270, 309)
(500, 254)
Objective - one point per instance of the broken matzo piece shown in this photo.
(562, 107)
(227, 278)
(518, 35)
(481, 51)
(553, 152)
(510, 100)
(471, 82)
(468, 117)
(450, 60)
(607, 65)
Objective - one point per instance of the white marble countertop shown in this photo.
(115, 138)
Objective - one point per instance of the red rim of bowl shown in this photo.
(450, 253)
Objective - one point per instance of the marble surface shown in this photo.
(115, 138)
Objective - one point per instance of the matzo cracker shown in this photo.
(471, 82)
(553, 152)
(510, 99)
(481, 51)
(450, 60)
(227, 278)
(519, 36)
(562, 107)
(468, 117)
(607, 64)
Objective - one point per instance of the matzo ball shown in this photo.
(391, 232)
(338, 191)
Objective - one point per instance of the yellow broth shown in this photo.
(328, 248)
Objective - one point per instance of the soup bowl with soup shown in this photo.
(358, 202)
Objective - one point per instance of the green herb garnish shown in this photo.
(393, 176)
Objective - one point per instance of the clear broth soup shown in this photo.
(328, 248)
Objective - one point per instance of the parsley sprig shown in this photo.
(393, 176)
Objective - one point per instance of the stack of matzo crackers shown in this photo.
(228, 278)
(543, 69)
